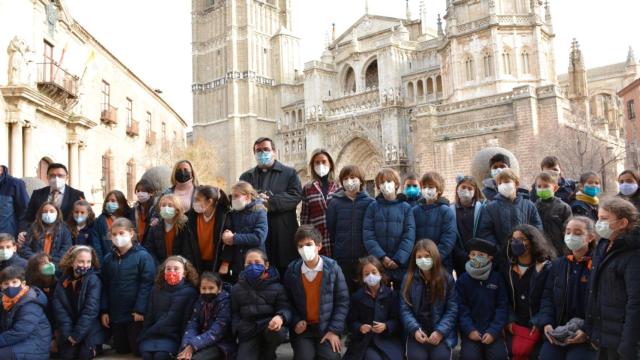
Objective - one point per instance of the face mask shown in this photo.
(308, 252)
(574, 242)
(628, 189)
(49, 218)
(412, 192)
(518, 248)
(351, 185)
(372, 279)
(603, 229)
(122, 240)
(507, 189)
(264, 158)
(12, 291)
(253, 272)
(466, 196)
(388, 188)
(554, 173)
(172, 278)
(167, 212)
(197, 207)
(238, 204)
(6, 254)
(425, 263)
(111, 207)
(591, 190)
(57, 183)
(479, 261)
(183, 175)
(544, 194)
(81, 270)
(143, 196)
(80, 219)
(48, 269)
(321, 170)
(495, 172)
(430, 193)
(208, 297)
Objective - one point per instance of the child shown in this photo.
(429, 307)
(507, 211)
(48, 233)
(553, 212)
(170, 306)
(144, 209)
(497, 164)
(115, 206)
(76, 304)
(585, 201)
(566, 187)
(260, 308)
(628, 182)
(434, 218)
(248, 228)
(41, 273)
(373, 316)
(319, 312)
(388, 230)
(208, 333)
(566, 294)
(25, 332)
(345, 217)
(81, 224)
(482, 305)
(411, 193)
(171, 234)
(467, 210)
(127, 275)
(9, 252)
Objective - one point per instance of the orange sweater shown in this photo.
(205, 237)
(168, 238)
(312, 293)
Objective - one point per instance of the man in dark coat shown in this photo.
(279, 187)
(13, 202)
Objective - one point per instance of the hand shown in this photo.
(224, 268)
(365, 328)
(137, 317)
(547, 329)
(264, 197)
(421, 337)
(227, 237)
(533, 330)
(72, 341)
(276, 323)
(301, 326)
(510, 328)
(435, 338)
(475, 336)
(379, 327)
(581, 337)
(154, 222)
(104, 319)
(186, 354)
(487, 339)
(333, 339)
(21, 238)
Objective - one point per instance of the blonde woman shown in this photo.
(171, 233)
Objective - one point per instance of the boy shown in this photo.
(566, 187)
(553, 211)
(497, 164)
(25, 332)
(9, 252)
(483, 305)
(319, 313)
(411, 193)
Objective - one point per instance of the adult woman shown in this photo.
(144, 209)
(628, 182)
(183, 184)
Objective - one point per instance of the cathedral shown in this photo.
(397, 92)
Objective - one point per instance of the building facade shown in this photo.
(630, 96)
(65, 98)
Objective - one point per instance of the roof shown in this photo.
(635, 84)
(387, 20)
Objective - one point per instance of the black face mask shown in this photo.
(209, 297)
(183, 175)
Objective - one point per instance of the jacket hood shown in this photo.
(272, 277)
(382, 200)
(443, 201)
(342, 194)
(35, 295)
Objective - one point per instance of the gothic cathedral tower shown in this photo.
(245, 62)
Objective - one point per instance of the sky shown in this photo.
(153, 37)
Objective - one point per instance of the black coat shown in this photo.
(191, 249)
(613, 312)
(40, 196)
(156, 245)
(282, 185)
(554, 213)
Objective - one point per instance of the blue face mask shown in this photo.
(264, 158)
(412, 191)
(518, 248)
(111, 207)
(591, 190)
(12, 291)
(252, 272)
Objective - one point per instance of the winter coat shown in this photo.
(566, 189)
(25, 329)
(444, 314)
(86, 236)
(613, 312)
(127, 281)
(40, 196)
(411, 201)
(218, 332)
(334, 296)
(365, 310)
(536, 285)
(81, 323)
(102, 243)
(14, 260)
(634, 199)
(250, 227)
(314, 210)
(553, 214)
(254, 304)
(156, 244)
(191, 250)
(490, 190)
(437, 222)
(581, 208)
(13, 204)
(282, 185)
(61, 242)
(460, 251)
(167, 315)
(345, 218)
(483, 306)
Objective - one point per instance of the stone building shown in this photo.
(631, 102)
(65, 98)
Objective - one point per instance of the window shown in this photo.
(106, 95)
(149, 124)
(106, 173)
(129, 112)
(468, 69)
(131, 178)
(488, 64)
(525, 62)
(371, 75)
(208, 3)
(48, 62)
(164, 131)
(350, 81)
(631, 109)
(506, 62)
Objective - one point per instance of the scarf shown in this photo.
(481, 273)
(593, 201)
(7, 302)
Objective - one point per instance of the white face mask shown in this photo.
(495, 172)
(308, 252)
(372, 279)
(198, 208)
(6, 254)
(57, 183)
(507, 190)
(574, 242)
(143, 196)
(122, 240)
(430, 193)
(388, 188)
(465, 195)
(238, 204)
(351, 185)
(321, 169)
(603, 229)
(425, 263)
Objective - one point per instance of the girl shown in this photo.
(115, 206)
(76, 304)
(169, 307)
(127, 275)
(529, 255)
(429, 307)
(48, 234)
(585, 201)
(183, 184)
(469, 202)
(373, 316)
(208, 333)
(144, 209)
(566, 293)
(248, 228)
(207, 221)
(41, 273)
(388, 230)
(345, 216)
(81, 224)
(628, 182)
(317, 193)
(613, 312)
(171, 233)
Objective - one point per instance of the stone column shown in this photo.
(15, 167)
(73, 163)
(27, 161)
(81, 147)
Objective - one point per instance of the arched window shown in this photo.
(350, 81)
(43, 165)
(429, 86)
(487, 62)
(506, 62)
(525, 62)
(410, 91)
(287, 119)
(300, 117)
(420, 85)
(293, 117)
(371, 75)
(438, 84)
(469, 70)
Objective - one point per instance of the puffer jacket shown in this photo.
(14, 260)
(461, 251)
(582, 208)
(490, 190)
(345, 218)
(334, 296)
(483, 305)
(86, 236)
(103, 244)
(553, 214)
(437, 222)
(210, 327)
(60, 244)
(250, 227)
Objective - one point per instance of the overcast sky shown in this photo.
(153, 37)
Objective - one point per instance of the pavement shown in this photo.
(284, 353)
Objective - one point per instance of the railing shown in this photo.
(151, 138)
(109, 114)
(57, 81)
(133, 128)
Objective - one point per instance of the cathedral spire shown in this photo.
(440, 31)
(333, 32)
(423, 17)
(366, 7)
(577, 73)
(407, 10)
(631, 57)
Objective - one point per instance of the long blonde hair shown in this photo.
(181, 218)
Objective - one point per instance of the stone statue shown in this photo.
(17, 64)
(387, 152)
(394, 153)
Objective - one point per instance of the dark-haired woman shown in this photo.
(629, 186)
(144, 208)
(115, 206)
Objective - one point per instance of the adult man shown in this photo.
(279, 187)
(13, 202)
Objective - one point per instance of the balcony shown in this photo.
(133, 128)
(151, 137)
(109, 114)
(56, 82)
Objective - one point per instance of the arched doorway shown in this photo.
(361, 152)
(43, 165)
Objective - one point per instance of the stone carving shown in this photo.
(18, 70)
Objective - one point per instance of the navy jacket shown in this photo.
(191, 250)
(25, 329)
(412, 202)
(444, 314)
(250, 228)
(365, 310)
(156, 244)
(460, 251)
(345, 218)
(81, 323)
(86, 236)
(102, 238)
(490, 190)
(218, 330)
(437, 222)
(127, 282)
(61, 243)
(566, 189)
(15, 260)
(167, 315)
(334, 296)
(39, 196)
(13, 203)
(483, 306)
(581, 208)
(536, 286)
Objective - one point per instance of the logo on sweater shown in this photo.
(492, 287)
